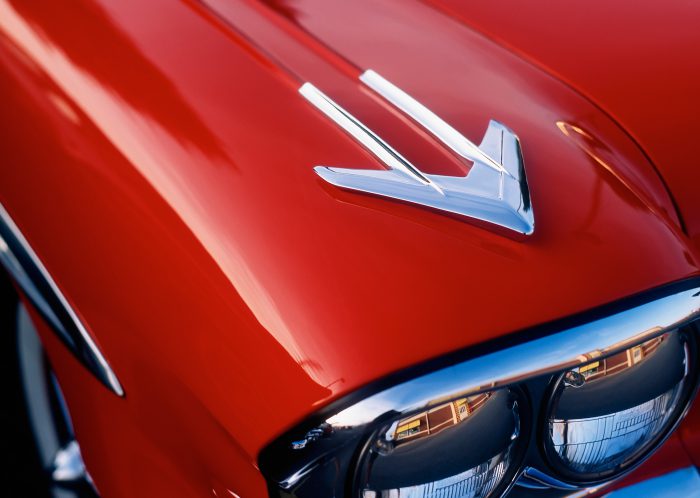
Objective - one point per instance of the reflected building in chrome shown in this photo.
(436, 419)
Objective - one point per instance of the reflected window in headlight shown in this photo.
(460, 449)
(606, 414)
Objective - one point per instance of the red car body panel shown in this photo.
(159, 159)
(636, 62)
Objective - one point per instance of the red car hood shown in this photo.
(396, 284)
(232, 274)
(637, 61)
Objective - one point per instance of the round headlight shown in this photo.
(461, 449)
(605, 416)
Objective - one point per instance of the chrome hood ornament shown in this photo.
(494, 191)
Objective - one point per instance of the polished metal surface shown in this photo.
(557, 489)
(384, 152)
(55, 444)
(558, 352)
(533, 478)
(457, 142)
(25, 267)
(683, 483)
(68, 465)
(295, 460)
(495, 190)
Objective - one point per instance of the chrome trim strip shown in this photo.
(684, 482)
(384, 152)
(429, 120)
(68, 464)
(494, 191)
(561, 351)
(533, 478)
(22, 263)
(343, 426)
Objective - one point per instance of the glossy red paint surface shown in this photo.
(638, 62)
(158, 158)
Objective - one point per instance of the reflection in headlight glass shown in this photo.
(477, 482)
(607, 413)
(460, 449)
(598, 443)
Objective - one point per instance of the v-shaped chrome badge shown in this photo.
(494, 191)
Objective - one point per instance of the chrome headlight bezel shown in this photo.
(321, 457)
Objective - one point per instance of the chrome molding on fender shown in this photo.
(22, 263)
(495, 190)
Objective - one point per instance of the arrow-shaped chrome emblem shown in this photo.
(494, 191)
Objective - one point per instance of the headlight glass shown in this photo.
(462, 449)
(606, 414)
(557, 412)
